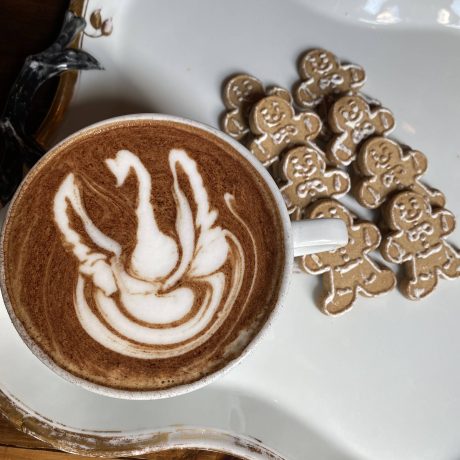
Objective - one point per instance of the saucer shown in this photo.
(381, 381)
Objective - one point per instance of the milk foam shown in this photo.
(156, 286)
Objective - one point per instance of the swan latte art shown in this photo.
(143, 255)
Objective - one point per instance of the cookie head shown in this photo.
(349, 110)
(272, 111)
(241, 89)
(380, 155)
(306, 167)
(330, 209)
(304, 163)
(319, 62)
(409, 209)
(314, 163)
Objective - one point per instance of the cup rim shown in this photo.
(207, 379)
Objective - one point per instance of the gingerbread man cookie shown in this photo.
(308, 179)
(353, 120)
(418, 241)
(385, 168)
(347, 271)
(277, 127)
(240, 93)
(322, 75)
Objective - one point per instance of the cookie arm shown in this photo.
(393, 249)
(446, 221)
(419, 162)
(356, 75)
(234, 125)
(366, 194)
(256, 146)
(338, 182)
(370, 235)
(339, 152)
(312, 123)
(303, 94)
(289, 196)
(384, 120)
(313, 264)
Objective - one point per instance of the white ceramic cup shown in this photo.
(302, 237)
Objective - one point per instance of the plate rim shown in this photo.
(109, 444)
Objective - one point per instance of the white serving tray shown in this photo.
(381, 382)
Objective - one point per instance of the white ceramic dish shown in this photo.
(382, 381)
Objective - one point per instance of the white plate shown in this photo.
(382, 381)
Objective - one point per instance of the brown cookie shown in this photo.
(322, 74)
(386, 168)
(353, 120)
(322, 109)
(276, 127)
(418, 241)
(347, 271)
(308, 179)
(240, 93)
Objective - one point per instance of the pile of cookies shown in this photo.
(327, 139)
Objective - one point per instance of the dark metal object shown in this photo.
(17, 147)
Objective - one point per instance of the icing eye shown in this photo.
(314, 61)
(414, 203)
(381, 158)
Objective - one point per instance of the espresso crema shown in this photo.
(143, 255)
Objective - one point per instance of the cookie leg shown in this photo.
(451, 266)
(436, 197)
(339, 294)
(378, 282)
(367, 195)
(420, 286)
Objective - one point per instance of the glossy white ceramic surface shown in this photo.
(382, 381)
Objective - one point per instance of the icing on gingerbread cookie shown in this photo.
(353, 121)
(385, 168)
(308, 179)
(322, 74)
(347, 271)
(277, 127)
(240, 93)
(418, 241)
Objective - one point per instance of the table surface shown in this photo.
(27, 27)
(15, 445)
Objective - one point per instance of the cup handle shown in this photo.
(318, 235)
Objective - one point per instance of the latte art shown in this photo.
(143, 255)
(155, 284)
